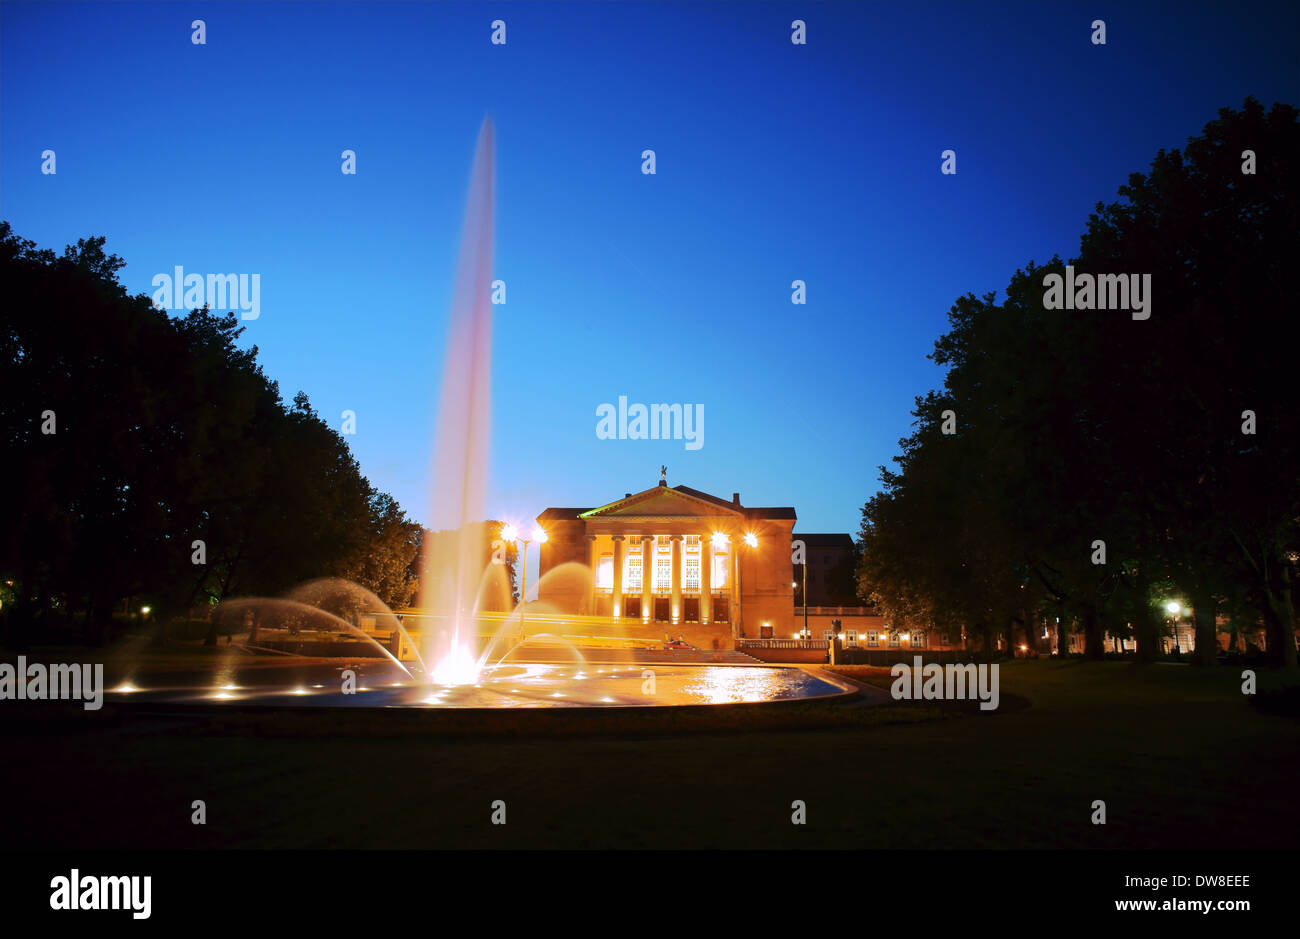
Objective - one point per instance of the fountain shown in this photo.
(450, 664)
(450, 580)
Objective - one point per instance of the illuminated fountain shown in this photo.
(453, 573)
(467, 647)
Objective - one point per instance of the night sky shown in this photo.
(775, 162)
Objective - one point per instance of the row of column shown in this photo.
(647, 574)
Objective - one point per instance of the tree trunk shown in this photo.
(1094, 641)
(1146, 634)
(1146, 629)
(1207, 633)
(1281, 622)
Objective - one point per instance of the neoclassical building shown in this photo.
(674, 557)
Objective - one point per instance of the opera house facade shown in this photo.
(677, 558)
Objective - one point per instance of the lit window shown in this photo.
(894, 641)
(663, 564)
(606, 578)
(691, 563)
(873, 638)
(632, 566)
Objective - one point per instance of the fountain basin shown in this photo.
(504, 686)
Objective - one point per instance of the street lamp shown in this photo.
(1174, 608)
(538, 534)
(751, 540)
(804, 597)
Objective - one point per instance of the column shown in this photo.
(647, 577)
(617, 606)
(706, 578)
(593, 561)
(677, 579)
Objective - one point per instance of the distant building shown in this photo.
(715, 571)
(831, 559)
(675, 557)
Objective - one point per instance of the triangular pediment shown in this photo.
(660, 502)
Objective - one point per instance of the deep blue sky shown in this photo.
(775, 162)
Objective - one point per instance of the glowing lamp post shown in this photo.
(804, 597)
(1174, 608)
(510, 533)
(751, 541)
(794, 585)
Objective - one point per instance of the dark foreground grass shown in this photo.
(1179, 756)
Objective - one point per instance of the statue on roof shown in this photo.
(663, 473)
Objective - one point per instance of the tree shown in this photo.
(1092, 462)
(1220, 242)
(383, 563)
(131, 436)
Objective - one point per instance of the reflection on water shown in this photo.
(501, 686)
(723, 685)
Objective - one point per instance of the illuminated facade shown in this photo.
(674, 556)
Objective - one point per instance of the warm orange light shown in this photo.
(751, 539)
(509, 532)
(539, 535)
(719, 539)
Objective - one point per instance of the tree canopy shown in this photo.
(149, 457)
(1090, 463)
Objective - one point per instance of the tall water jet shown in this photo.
(455, 558)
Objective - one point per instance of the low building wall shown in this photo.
(813, 652)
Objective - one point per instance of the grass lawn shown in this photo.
(1178, 755)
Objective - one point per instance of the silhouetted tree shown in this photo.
(1073, 427)
(130, 436)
